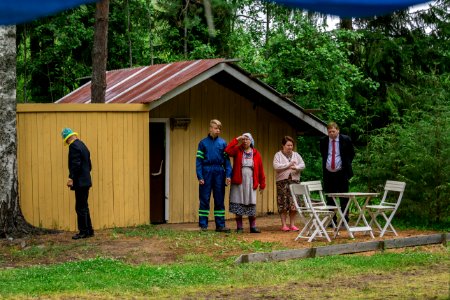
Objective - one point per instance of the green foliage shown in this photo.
(385, 83)
(415, 150)
(53, 54)
(128, 40)
(308, 148)
(396, 51)
(311, 66)
(182, 28)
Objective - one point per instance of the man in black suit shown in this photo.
(79, 181)
(337, 155)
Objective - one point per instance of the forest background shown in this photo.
(385, 80)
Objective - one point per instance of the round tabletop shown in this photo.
(352, 194)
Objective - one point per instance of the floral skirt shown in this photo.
(284, 198)
(242, 209)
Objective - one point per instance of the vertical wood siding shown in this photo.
(204, 102)
(119, 145)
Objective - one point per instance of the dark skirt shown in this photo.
(243, 210)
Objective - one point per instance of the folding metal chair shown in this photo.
(387, 206)
(316, 219)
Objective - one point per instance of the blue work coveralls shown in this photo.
(213, 166)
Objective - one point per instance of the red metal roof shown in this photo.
(143, 84)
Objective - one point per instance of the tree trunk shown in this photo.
(130, 48)
(100, 52)
(12, 222)
(150, 37)
(346, 24)
(266, 43)
(185, 30)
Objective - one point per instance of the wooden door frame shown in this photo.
(166, 121)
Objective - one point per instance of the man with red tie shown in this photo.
(337, 155)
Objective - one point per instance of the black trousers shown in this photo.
(336, 182)
(82, 209)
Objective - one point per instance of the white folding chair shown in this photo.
(316, 220)
(317, 198)
(316, 188)
(387, 206)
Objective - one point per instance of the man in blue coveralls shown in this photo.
(213, 173)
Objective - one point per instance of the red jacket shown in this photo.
(236, 151)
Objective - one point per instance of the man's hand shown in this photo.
(228, 181)
(70, 183)
(201, 182)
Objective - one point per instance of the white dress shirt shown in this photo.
(337, 159)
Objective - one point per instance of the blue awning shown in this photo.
(22, 11)
(351, 8)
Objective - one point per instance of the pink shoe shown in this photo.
(293, 228)
(285, 228)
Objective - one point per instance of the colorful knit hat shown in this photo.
(67, 133)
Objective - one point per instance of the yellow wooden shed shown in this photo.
(143, 142)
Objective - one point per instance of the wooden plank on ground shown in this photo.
(344, 248)
(414, 241)
(348, 248)
(275, 255)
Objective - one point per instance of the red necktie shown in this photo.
(333, 154)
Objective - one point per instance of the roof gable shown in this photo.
(143, 84)
(160, 83)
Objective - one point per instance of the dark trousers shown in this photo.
(336, 182)
(214, 177)
(82, 209)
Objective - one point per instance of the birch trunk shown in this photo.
(12, 222)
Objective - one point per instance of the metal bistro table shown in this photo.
(360, 211)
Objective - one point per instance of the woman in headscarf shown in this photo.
(247, 176)
(287, 164)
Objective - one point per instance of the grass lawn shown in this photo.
(209, 272)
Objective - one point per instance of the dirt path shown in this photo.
(55, 248)
(271, 225)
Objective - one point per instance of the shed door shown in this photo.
(157, 172)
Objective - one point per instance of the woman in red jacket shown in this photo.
(247, 175)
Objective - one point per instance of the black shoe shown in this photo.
(203, 229)
(90, 233)
(255, 230)
(240, 230)
(80, 236)
(223, 229)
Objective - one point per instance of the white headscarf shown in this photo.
(252, 141)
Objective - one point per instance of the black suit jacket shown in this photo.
(79, 165)
(347, 153)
